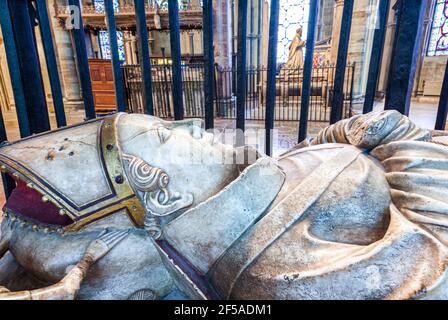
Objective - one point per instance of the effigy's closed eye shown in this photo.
(164, 134)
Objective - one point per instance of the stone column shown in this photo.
(337, 18)
(418, 84)
(361, 40)
(265, 34)
(264, 48)
(387, 51)
(44, 70)
(66, 62)
(95, 44)
(222, 41)
(191, 42)
(127, 40)
(6, 93)
(134, 49)
(222, 32)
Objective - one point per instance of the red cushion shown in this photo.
(28, 203)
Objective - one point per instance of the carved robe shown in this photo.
(366, 221)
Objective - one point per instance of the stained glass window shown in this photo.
(438, 41)
(99, 6)
(293, 15)
(105, 45)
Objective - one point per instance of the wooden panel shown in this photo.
(103, 85)
(105, 99)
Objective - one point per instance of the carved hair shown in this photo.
(153, 183)
(145, 178)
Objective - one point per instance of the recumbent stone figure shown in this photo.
(360, 212)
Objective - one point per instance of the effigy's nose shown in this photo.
(196, 131)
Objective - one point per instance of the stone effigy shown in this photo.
(359, 212)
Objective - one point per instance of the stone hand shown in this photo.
(104, 243)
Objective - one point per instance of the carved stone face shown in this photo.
(187, 162)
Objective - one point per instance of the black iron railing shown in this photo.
(287, 100)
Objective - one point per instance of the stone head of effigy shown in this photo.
(168, 162)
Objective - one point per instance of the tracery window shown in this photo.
(183, 4)
(438, 41)
(105, 45)
(99, 6)
(293, 14)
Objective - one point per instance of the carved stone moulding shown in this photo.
(125, 18)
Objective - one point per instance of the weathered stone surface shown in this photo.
(357, 213)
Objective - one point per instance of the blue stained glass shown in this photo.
(183, 4)
(438, 41)
(105, 45)
(99, 6)
(292, 15)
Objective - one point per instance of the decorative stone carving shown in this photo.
(361, 209)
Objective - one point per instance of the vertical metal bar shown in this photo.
(173, 13)
(376, 55)
(209, 61)
(14, 69)
(408, 35)
(167, 87)
(271, 75)
(443, 104)
(344, 38)
(113, 42)
(143, 50)
(23, 21)
(83, 64)
(241, 75)
(352, 85)
(50, 58)
(308, 70)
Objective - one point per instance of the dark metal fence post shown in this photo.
(118, 80)
(271, 75)
(344, 38)
(209, 62)
(308, 70)
(443, 104)
(173, 12)
(376, 56)
(50, 58)
(408, 35)
(145, 61)
(23, 21)
(83, 63)
(241, 75)
(14, 69)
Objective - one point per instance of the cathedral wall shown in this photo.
(431, 77)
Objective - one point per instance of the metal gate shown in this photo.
(288, 92)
